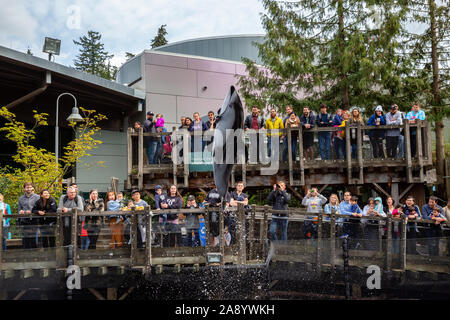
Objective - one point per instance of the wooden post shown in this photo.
(207, 227)
(333, 241)
(380, 236)
(129, 156)
(389, 243)
(221, 235)
(148, 240)
(319, 242)
(252, 232)
(300, 151)
(394, 192)
(111, 293)
(242, 257)
(419, 148)
(59, 241)
(186, 157)
(1, 239)
(408, 152)
(403, 243)
(359, 147)
(74, 235)
(348, 153)
(264, 229)
(291, 170)
(428, 151)
(174, 155)
(141, 159)
(133, 234)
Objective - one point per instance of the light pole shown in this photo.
(75, 116)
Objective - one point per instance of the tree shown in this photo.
(29, 51)
(332, 51)
(129, 55)
(428, 70)
(160, 39)
(92, 57)
(38, 165)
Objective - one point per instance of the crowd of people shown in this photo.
(385, 143)
(41, 231)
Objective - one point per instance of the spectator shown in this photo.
(211, 123)
(396, 213)
(349, 206)
(433, 232)
(159, 121)
(337, 120)
(142, 221)
(414, 115)
(159, 125)
(393, 118)
(197, 127)
(66, 202)
(293, 122)
(254, 121)
(273, 123)
(115, 220)
(214, 201)
(93, 223)
(6, 209)
(447, 217)
(192, 224)
(160, 197)
(324, 120)
(355, 119)
(339, 143)
(236, 197)
(412, 212)
(25, 205)
(332, 205)
(279, 199)
(308, 120)
(289, 110)
(151, 141)
(187, 123)
(174, 201)
(371, 229)
(401, 137)
(313, 201)
(182, 120)
(46, 204)
(227, 236)
(137, 125)
(377, 136)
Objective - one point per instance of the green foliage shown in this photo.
(38, 165)
(160, 38)
(129, 55)
(93, 58)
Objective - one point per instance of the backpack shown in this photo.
(66, 197)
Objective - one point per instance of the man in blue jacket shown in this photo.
(279, 199)
(324, 120)
(377, 136)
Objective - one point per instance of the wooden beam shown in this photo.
(380, 189)
(96, 294)
(20, 294)
(323, 188)
(405, 192)
(111, 293)
(296, 194)
(126, 294)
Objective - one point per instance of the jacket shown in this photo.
(279, 201)
(49, 207)
(93, 221)
(393, 119)
(278, 124)
(25, 204)
(379, 133)
(192, 221)
(204, 126)
(324, 120)
(6, 210)
(311, 120)
(249, 119)
(412, 224)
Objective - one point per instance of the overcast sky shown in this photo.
(124, 25)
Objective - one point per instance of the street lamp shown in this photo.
(75, 116)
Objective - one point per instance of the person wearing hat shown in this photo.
(160, 197)
(393, 118)
(138, 202)
(151, 142)
(192, 224)
(377, 136)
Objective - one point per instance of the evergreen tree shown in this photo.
(427, 70)
(160, 39)
(129, 55)
(340, 52)
(29, 51)
(93, 58)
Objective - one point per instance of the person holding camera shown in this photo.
(313, 201)
(279, 199)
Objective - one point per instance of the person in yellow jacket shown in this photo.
(273, 122)
(340, 138)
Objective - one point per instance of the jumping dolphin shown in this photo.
(231, 116)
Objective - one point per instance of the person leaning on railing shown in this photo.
(376, 136)
(6, 209)
(115, 220)
(138, 204)
(355, 118)
(173, 201)
(93, 223)
(67, 202)
(393, 118)
(25, 205)
(412, 212)
(46, 204)
(279, 199)
(324, 120)
(433, 232)
(272, 123)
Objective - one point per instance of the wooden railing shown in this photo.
(423, 154)
(251, 245)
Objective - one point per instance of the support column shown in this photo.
(111, 294)
(394, 192)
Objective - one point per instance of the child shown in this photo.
(396, 213)
(227, 236)
(115, 220)
(160, 198)
(159, 122)
(434, 232)
(352, 225)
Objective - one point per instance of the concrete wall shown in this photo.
(174, 84)
(113, 153)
